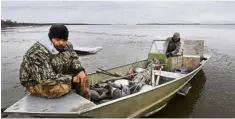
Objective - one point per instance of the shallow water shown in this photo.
(213, 91)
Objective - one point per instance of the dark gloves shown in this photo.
(168, 54)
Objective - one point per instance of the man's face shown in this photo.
(59, 44)
(175, 39)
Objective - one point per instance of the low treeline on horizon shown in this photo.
(10, 23)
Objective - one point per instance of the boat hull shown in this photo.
(142, 103)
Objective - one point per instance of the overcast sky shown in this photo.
(120, 12)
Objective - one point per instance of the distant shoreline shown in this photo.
(9, 23)
(183, 24)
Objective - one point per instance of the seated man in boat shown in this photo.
(174, 45)
(51, 67)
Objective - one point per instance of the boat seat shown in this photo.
(166, 74)
(37, 106)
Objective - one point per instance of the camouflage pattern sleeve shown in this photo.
(75, 63)
(178, 45)
(37, 68)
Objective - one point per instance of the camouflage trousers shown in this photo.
(58, 90)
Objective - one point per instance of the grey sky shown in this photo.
(131, 12)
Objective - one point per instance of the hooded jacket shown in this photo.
(43, 64)
(173, 47)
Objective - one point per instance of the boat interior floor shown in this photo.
(165, 77)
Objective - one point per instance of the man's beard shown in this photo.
(60, 48)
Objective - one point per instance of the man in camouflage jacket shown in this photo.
(174, 45)
(51, 66)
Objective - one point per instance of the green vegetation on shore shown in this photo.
(9, 23)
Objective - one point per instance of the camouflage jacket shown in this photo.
(173, 47)
(43, 64)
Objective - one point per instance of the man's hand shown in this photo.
(81, 78)
(76, 79)
(168, 55)
(82, 88)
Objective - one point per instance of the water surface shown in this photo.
(213, 91)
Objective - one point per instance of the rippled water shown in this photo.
(213, 91)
